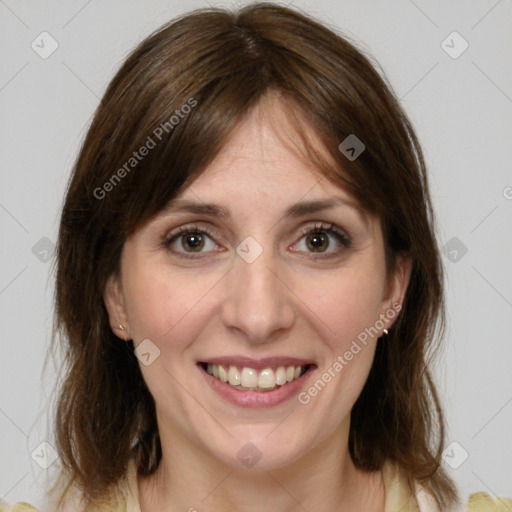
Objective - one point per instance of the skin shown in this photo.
(285, 303)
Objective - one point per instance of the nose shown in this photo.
(258, 302)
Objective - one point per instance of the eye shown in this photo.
(190, 240)
(322, 239)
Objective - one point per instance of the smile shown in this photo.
(250, 379)
(262, 383)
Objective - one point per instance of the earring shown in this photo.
(121, 327)
(385, 331)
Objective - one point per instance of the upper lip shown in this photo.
(257, 364)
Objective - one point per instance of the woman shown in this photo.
(248, 282)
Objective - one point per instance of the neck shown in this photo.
(324, 479)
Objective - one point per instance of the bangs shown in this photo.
(297, 129)
(168, 122)
(180, 150)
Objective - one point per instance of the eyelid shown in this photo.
(344, 239)
(188, 228)
(341, 234)
(171, 236)
(328, 227)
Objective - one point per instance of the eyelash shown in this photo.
(330, 229)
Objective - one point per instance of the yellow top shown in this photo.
(398, 497)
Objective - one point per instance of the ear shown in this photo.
(397, 285)
(114, 302)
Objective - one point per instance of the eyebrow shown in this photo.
(295, 210)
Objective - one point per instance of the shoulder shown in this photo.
(400, 497)
(482, 502)
(477, 502)
(18, 507)
(397, 493)
(124, 498)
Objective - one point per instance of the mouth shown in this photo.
(255, 378)
(252, 383)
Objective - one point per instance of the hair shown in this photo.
(181, 93)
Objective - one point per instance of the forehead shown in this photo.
(262, 168)
(265, 154)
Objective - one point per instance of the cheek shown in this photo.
(348, 303)
(347, 311)
(161, 304)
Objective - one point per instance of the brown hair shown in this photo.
(220, 64)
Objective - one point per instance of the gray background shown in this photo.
(461, 108)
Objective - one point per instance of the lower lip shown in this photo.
(256, 398)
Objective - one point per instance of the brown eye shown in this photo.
(192, 242)
(317, 242)
(325, 240)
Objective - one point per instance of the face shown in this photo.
(264, 274)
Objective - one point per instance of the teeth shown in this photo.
(250, 379)
(223, 374)
(280, 376)
(267, 379)
(233, 376)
